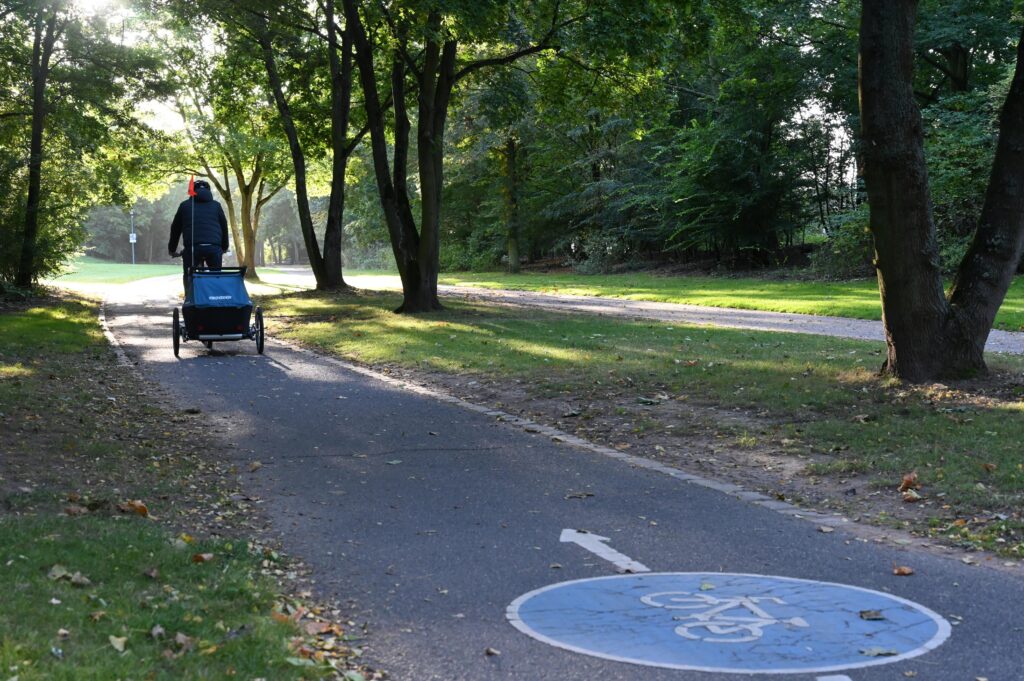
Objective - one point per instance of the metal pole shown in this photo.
(131, 214)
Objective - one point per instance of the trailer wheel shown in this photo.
(260, 331)
(176, 332)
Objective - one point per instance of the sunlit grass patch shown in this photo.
(17, 370)
(66, 327)
(88, 270)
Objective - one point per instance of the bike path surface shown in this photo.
(431, 519)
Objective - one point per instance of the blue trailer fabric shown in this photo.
(219, 290)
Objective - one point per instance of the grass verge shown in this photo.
(110, 598)
(717, 398)
(100, 490)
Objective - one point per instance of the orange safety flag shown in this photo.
(192, 186)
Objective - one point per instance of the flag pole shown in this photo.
(192, 241)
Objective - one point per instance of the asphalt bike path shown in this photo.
(452, 534)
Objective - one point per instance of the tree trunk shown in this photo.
(914, 308)
(390, 186)
(986, 272)
(927, 336)
(316, 260)
(341, 103)
(42, 49)
(435, 86)
(512, 203)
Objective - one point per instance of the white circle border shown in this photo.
(943, 632)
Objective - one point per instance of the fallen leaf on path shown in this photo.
(118, 642)
(911, 497)
(902, 570)
(492, 651)
(909, 482)
(871, 615)
(255, 466)
(826, 529)
(314, 628)
(706, 586)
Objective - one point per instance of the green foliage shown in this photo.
(848, 251)
(91, 131)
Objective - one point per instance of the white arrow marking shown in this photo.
(595, 544)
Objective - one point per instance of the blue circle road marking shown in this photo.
(724, 622)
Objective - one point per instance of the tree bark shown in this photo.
(986, 272)
(316, 260)
(914, 308)
(42, 49)
(928, 336)
(512, 203)
(341, 104)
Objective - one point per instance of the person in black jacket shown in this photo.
(201, 224)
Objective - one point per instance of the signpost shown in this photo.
(132, 236)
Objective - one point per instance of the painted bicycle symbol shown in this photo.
(716, 623)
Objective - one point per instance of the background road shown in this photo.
(431, 518)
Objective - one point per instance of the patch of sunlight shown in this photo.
(15, 371)
(569, 355)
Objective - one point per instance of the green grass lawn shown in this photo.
(172, 618)
(857, 299)
(94, 271)
(818, 394)
(77, 432)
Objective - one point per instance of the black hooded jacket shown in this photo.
(211, 225)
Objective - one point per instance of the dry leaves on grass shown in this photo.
(902, 570)
(135, 506)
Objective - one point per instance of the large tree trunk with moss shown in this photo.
(929, 335)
